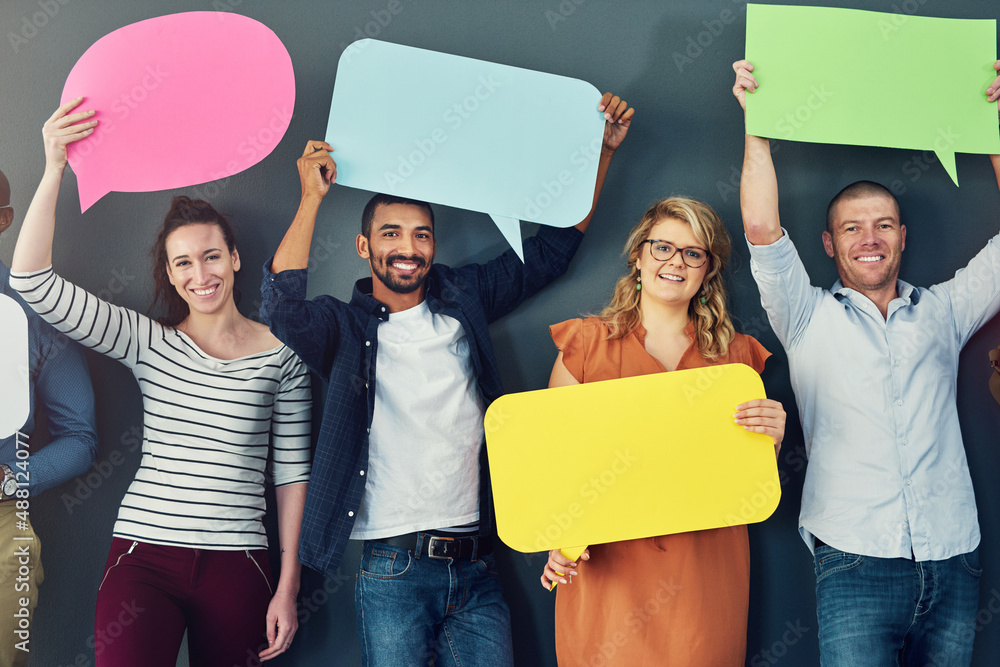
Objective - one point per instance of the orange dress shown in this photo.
(670, 600)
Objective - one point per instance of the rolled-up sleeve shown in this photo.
(785, 291)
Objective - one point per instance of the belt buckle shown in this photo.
(444, 547)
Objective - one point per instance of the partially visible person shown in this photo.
(888, 508)
(667, 313)
(60, 385)
(223, 399)
(412, 370)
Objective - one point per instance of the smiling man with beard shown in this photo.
(399, 462)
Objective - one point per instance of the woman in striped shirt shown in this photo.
(221, 398)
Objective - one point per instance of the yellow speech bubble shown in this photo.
(641, 456)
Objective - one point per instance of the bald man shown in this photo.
(60, 384)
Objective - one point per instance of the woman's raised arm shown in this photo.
(33, 251)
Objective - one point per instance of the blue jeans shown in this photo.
(410, 609)
(882, 612)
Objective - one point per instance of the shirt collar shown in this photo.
(905, 292)
(362, 298)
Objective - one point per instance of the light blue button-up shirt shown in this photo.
(887, 470)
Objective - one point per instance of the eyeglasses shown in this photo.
(661, 251)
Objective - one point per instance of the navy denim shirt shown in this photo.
(338, 341)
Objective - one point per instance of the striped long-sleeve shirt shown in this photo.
(209, 425)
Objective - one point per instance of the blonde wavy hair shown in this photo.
(713, 328)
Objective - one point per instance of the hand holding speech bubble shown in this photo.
(647, 455)
(13, 367)
(514, 143)
(181, 99)
(865, 78)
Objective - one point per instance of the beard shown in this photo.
(400, 285)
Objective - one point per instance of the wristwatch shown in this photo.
(9, 485)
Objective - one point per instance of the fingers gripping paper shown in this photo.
(513, 143)
(638, 457)
(846, 76)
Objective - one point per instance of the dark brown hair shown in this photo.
(384, 200)
(183, 211)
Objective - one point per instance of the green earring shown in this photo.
(703, 300)
(638, 284)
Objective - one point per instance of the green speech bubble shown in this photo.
(845, 76)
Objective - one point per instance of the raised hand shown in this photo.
(317, 170)
(64, 128)
(618, 118)
(745, 81)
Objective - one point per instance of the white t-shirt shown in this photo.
(427, 429)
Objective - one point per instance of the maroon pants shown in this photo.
(150, 593)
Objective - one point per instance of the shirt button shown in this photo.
(899, 402)
(897, 363)
(907, 482)
(350, 514)
(383, 309)
(368, 343)
(362, 473)
(905, 442)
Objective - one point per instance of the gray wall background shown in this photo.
(687, 139)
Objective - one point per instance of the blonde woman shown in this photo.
(675, 599)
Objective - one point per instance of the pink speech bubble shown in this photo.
(182, 99)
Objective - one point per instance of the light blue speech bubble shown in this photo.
(13, 367)
(513, 143)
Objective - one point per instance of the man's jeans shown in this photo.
(410, 608)
(893, 611)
